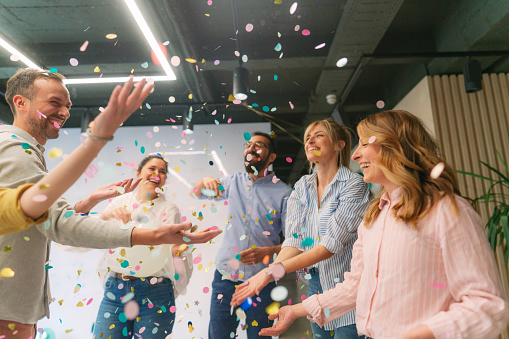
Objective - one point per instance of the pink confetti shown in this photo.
(303, 297)
(289, 159)
(173, 309)
(175, 61)
(293, 8)
(41, 115)
(372, 139)
(249, 27)
(297, 27)
(73, 62)
(14, 57)
(40, 198)
(149, 135)
(137, 267)
(183, 134)
(205, 290)
(306, 32)
(237, 102)
(184, 219)
(380, 104)
(229, 120)
(322, 45)
(83, 47)
(217, 62)
(90, 301)
(56, 125)
(219, 296)
(266, 232)
(131, 310)
(213, 228)
(291, 105)
(197, 260)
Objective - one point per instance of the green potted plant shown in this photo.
(498, 223)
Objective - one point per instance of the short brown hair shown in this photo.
(22, 83)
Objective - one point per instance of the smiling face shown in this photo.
(257, 154)
(366, 155)
(47, 112)
(153, 175)
(319, 147)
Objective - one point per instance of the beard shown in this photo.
(259, 165)
(40, 128)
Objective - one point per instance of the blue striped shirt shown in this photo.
(333, 225)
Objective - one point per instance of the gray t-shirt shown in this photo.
(25, 297)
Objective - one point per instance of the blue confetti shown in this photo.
(246, 304)
(68, 214)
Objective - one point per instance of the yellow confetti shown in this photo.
(254, 323)
(55, 153)
(191, 96)
(231, 97)
(7, 272)
(80, 304)
(67, 331)
(317, 152)
(112, 326)
(11, 326)
(122, 252)
(192, 61)
(60, 302)
(145, 209)
(97, 69)
(177, 169)
(207, 14)
(202, 61)
(111, 36)
(272, 308)
(79, 272)
(43, 186)
(200, 266)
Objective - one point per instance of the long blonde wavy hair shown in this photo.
(336, 133)
(407, 155)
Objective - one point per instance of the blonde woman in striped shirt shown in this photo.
(323, 213)
(422, 266)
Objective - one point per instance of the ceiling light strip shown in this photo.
(14, 51)
(114, 79)
(135, 11)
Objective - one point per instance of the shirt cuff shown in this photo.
(292, 242)
(312, 306)
(442, 327)
(331, 244)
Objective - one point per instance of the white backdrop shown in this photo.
(74, 308)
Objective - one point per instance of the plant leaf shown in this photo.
(475, 175)
(504, 220)
(503, 162)
(496, 171)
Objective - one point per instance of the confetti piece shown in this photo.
(192, 61)
(175, 61)
(296, 28)
(306, 32)
(190, 96)
(246, 303)
(14, 57)
(380, 104)
(437, 170)
(111, 36)
(289, 159)
(293, 8)
(142, 150)
(317, 152)
(326, 312)
(205, 290)
(53, 70)
(307, 242)
(272, 308)
(266, 232)
(322, 45)
(68, 214)
(279, 293)
(55, 153)
(120, 190)
(84, 46)
(275, 77)
(278, 272)
(372, 139)
(278, 47)
(97, 69)
(342, 62)
(7, 272)
(128, 297)
(25, 145)
(73, 62)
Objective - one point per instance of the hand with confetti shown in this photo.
(106, 192)
(119, 213)
(208, 186)
(251, 287)
(286, 316)
(253, 256)
(178, 251)
(172, 234)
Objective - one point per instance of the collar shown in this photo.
(342, 174)
(395, 196)
(20, 133)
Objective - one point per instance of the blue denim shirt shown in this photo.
(256, 216)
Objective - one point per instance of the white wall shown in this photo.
(418, 102)
(70, 321)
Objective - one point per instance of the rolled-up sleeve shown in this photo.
(343, 223)
(479, 308)
(342, 298)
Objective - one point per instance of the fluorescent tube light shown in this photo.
(14, 51)
(113, 79)
(135, 11)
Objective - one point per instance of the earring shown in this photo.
(337, 149)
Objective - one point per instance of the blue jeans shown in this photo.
(223, 325)
(343, 332)
(151, 298)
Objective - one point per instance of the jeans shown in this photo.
(151, 298)
(223, 325)
(343, 332)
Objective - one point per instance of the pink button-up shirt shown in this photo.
(442, 275)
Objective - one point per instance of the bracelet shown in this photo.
(88, 131)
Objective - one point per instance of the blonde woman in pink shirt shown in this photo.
(422, 266)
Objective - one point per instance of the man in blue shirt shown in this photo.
(257, 201)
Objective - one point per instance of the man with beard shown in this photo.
(257, 209)
(40, 104)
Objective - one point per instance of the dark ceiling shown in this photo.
(390, 46)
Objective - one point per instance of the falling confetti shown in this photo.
(111, 36)
(372, 139)
(249, 27)
(7, 272)
(380, 104)
(144, 65)
(73, 62)
(84, 46)
(293, 8)
(317, 152)
(437, 170)
(55, 153)
(342, 62)
(192, 61)
(306, 32)
(289, 159)
(278, 47)
(322, 45)
(279, 293)
(175, 61)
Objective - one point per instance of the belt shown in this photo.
(123, 276)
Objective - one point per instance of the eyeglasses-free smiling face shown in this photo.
(152, 175)
(366, 155)
(319, 148)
